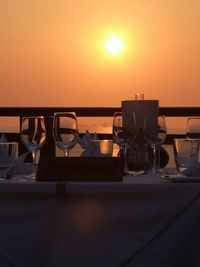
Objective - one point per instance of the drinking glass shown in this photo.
(122, 136)
(33, 136)
(65, 131)
(155, 137)
(185, 153)
(193, 128)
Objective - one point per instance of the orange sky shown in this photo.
(52, 52)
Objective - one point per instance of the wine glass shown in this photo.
(65, 130)
(33, 136)
(155, 136)
(122, 136)
(193, 128)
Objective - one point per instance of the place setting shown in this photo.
(186, 155)
(138, 131)
(95, 162)
(138, 136)
(33, 136)
(10, 162)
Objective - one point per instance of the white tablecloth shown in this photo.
(141, 221)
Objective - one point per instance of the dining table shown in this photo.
(143, 220)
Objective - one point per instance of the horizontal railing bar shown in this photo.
(92, 111)
(49, 111)
(179, 111)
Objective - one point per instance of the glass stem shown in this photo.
(66, 153)
(156, 158)
(125, 159)
(34, 164)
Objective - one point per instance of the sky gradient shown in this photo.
(52, 52)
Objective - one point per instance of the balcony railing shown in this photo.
(92, 111)
(48, 112)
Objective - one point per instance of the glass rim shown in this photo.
(62, 114)
(101, 140)
(27, 117)
(189, 139)
(65, 112)
(8, 143)
(186, 139)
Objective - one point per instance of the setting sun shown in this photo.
(114, 46)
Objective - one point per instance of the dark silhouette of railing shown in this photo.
(48, 112)
(92, 111)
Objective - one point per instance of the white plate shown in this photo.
(174, 177)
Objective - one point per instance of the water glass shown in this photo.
(185, 153)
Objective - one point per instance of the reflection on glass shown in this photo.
(65, 131)
(193, 128)
(33, 136)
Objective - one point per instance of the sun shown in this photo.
(114, 46)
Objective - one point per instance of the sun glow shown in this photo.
(114, 46)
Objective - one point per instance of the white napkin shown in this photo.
(3, 139)
(89, 149)
(18, 166)
(4, 158)
(6, 163)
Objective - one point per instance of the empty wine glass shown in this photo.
(33, 136)
(65, 131)
(122, 136)
(193, 128)
(155, 137)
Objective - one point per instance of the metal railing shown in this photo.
(92, 111)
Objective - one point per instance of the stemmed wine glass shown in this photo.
(155, 137)
(122, 136)
(65, 130)
(193, 128)
(33, 136)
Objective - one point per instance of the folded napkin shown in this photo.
(193, 171)
(6, 162)
(4, 157)
(3, 139)
(18, 165)
(90, 149)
